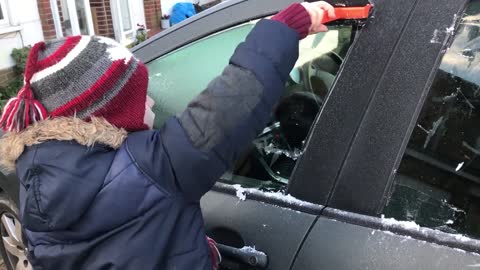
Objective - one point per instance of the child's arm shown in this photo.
(205, 140)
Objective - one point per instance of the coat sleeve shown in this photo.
(203, 141)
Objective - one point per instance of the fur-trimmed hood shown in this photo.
(98, 130)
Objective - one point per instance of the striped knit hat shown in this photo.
(80, 76)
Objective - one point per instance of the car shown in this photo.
(371, 158)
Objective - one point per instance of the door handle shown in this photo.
(248, 256)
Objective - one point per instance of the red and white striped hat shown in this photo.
(80, 76)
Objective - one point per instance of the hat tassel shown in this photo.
(23, 110)
(20, 112)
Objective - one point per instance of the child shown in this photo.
(98, 188)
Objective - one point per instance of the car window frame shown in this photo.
(206, 23)
(351, 95)
(352, 199)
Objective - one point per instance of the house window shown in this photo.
(3, 13)
(67, 22)
(122, 19)
(83, 17)
(76, 17)
(126, 18)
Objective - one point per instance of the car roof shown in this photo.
(217, 18)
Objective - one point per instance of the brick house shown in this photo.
(25, 22)
(112, 18)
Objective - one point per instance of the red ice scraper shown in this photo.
(349, 13)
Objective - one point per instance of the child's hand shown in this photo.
(317, 10)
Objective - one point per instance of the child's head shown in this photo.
(83, 77)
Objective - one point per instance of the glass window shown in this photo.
(178, 77)
(82, 16)
(3, 12)
(125, 13)
(438, 182)
(65, 17)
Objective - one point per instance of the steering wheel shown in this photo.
(319, 74)
(281, 143)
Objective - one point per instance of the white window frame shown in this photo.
(56, 18)
(6, 20)
(72, 10)
(72, 13)
(120, 35)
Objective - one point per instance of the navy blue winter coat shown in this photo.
(94, 197)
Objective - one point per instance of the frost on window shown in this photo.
(438, 182)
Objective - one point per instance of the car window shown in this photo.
(175, 79)
(438, 182)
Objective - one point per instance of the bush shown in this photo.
(6, 92)
(10, 90)
(20, 57)
(139, 38)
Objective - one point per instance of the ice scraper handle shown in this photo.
(348, 13)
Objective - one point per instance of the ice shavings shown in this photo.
(451, 28)
(461, 238)
(432, 131)
(252, 250)
(271, 149)
(240, 192)
(459, 166)
(450, 97)
(438, 35)
(458, 210)
(408, 225)
(285, 198)
(248, 249)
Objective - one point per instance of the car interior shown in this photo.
(271, 158)
(438, 181)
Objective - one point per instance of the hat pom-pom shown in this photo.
(21, 112)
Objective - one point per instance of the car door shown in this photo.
(247, 212)
(405, 196)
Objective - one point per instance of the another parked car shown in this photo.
(371, 159)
